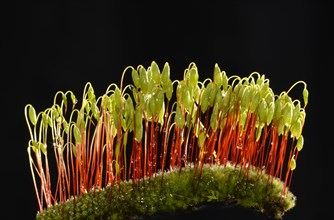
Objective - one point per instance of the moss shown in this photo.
(185, 190)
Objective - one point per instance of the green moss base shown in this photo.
(178, 191)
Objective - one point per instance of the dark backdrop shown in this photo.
(48, 46)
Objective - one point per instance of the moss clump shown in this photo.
(178, 190)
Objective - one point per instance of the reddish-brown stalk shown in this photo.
(287, 174)
(155, 147)
(151, 153)
(45, 189)
(291, 172)
(263, 148)
(251, 144)
(164, 140)
(108, 152)
(224, 148)
(274, 167)
(174, 147)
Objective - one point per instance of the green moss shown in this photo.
(185, 190)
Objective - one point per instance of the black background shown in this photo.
(48, 46)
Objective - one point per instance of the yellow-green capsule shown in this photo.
(214, 117)
(255, 102)
(64, 98)
(74, 100)
(300, 143)
(302, 115)
(66, 126)
(246, 97)
(259, 131)
(232, 102)
(187, 99)
(90, 93)
(264, 89)
(262, 110)
(280, 127)
(39, 146)
(193, 77)
(179, 91)
(217, 76)
(179, 118)
(142, 100)
(77, 134)
(270, 113)
(204, 100)
(159, 100)
(54, 111)
(32, 115)
(128, 112)
(81, 119)
(226, 98)
(45, 119)
(293, 163)
(278, 109)
(219, 99)
(151, 106)
(169, 90)
(270, 97)
(143, 79)
(95, 111)
(138, 116)
(212, 91)
(87, 106)
(138, 124)
(165, 75)
(150, 82)
(117, 99)
(115, 117)
(287, 114)
(161, 115)
(135, 78)
(241, 91)
(156, 76)
(74, 150)
(305, 95)
(296, 128)
(197, 93)
(107, 103)
(295, 114)
(224, 81)
(42, 147)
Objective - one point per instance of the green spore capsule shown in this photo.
(135, 78)
(305, 96)
(293, 163)
(32, 115)
(179, 118)
(165, 74)
(155, 71)
(287, 114)
(300, 143)
(138, 124)
(217, 76)
(193, 77)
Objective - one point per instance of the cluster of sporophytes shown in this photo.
(137, 150)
